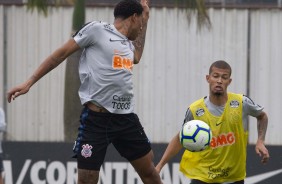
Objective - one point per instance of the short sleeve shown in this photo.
(87, 35)
(188, 116)
(251, 108)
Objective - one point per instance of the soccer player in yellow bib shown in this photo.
(226, 113)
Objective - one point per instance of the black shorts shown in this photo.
(98, 130)
(201, 182)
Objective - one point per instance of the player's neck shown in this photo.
(219, 100)
(122, 26)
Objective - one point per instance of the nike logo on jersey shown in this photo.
(118, 40)
(217, 124)
(122, 41)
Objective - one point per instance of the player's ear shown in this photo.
(230, 80)
(134, 17)
(207, 78)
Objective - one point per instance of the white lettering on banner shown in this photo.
(57, 172)
(106, 173)
(7, 164)
(132, 176)
(71, 172)
(119, 167)
(165, 174)
(23, 171)
(177, 176)
(35, 169)
(174, 175)
(56, 167)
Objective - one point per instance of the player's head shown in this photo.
(131, 10)
(219, 77)
(222, 65)
(127, 8)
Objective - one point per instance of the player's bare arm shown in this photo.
(51, 62)
(262, 126)
(139, 42)
(172, 149)
(261, 150)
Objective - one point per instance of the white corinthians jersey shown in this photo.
(105, 67)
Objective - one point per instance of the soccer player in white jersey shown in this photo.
(106, 91)
(226, 113)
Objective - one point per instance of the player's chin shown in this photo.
(218, 93)
(133, 37)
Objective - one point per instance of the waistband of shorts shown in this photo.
(93, 107)
(106, 114)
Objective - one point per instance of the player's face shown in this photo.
(219, 79)
(136, 26)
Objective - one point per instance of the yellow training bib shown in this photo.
(225, 159)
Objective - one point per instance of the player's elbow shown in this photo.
(136, 61)
(137, 57)
(263, 117)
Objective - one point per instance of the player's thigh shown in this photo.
(130, 140)
(92, 141)
(87, 176)
(144, 165)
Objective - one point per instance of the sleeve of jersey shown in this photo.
(251, 108)
(188, 116)
(87, 35)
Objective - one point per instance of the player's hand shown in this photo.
(145, 5)
(17, 91)
(262, 151)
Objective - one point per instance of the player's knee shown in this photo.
(149, 174)
(87, 176)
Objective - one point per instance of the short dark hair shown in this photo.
(222, 65)
(126, 8)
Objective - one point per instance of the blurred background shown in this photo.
(181, 44)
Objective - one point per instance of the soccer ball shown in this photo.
(195, 135)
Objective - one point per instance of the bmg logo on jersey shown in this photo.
(122, 63)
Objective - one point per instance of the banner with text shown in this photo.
(52, 163)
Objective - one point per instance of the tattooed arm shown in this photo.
(140, 40)
(261, 150)
(51, 62)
